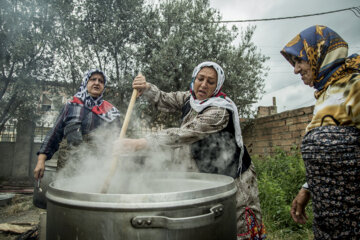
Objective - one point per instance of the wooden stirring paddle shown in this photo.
(107, 182)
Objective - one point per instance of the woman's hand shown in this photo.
(40, 166)
(298, 205)
(140, 84)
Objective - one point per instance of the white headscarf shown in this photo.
(217, 99)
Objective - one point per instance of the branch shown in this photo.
(7, 80)
(2, 125)
(6, 110)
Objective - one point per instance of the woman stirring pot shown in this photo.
(211, 127)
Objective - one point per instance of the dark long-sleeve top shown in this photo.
(71, 114)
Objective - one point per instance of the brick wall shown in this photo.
(266, 111)
(283, 130)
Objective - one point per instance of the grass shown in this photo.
(19, 204)
(21, 211)
(283, 234)
(279, 179)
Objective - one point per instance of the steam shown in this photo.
(89, 164)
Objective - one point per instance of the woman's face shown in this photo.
(95, 85)
(205, 83)
(303, 67)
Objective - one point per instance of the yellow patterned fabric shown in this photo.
(339, 104)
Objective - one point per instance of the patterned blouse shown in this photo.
(338, 105)
(195, 126)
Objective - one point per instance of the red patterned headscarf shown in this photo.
(99, 106)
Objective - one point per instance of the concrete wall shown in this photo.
(6, 158)
(283, 130)
(18, 159)
(23, 149)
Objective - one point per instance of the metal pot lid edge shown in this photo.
(140, 205)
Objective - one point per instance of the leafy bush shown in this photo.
(279, 179)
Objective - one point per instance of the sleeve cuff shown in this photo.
(306, 186)
(151, 92)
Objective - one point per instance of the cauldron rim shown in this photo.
(148, 200)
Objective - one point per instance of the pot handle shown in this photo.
(178, 223)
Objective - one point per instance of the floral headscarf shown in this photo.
(326, 52)
(102, 108)
(218, 99)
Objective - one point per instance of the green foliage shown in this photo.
(286, 234)
(60, 40)
(279, 179)
(245, 70)
(186, 33)
(25, 56)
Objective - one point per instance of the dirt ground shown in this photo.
(21, 212)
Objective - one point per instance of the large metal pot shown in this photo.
(181, 206)
(40, 188)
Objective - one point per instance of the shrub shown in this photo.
(279, 179)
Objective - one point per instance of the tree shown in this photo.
(109, 34)
(187, 32)
(25, 56)
(245, 71)
(70, 58)
(59, 40)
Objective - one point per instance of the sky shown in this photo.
(271, 36)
